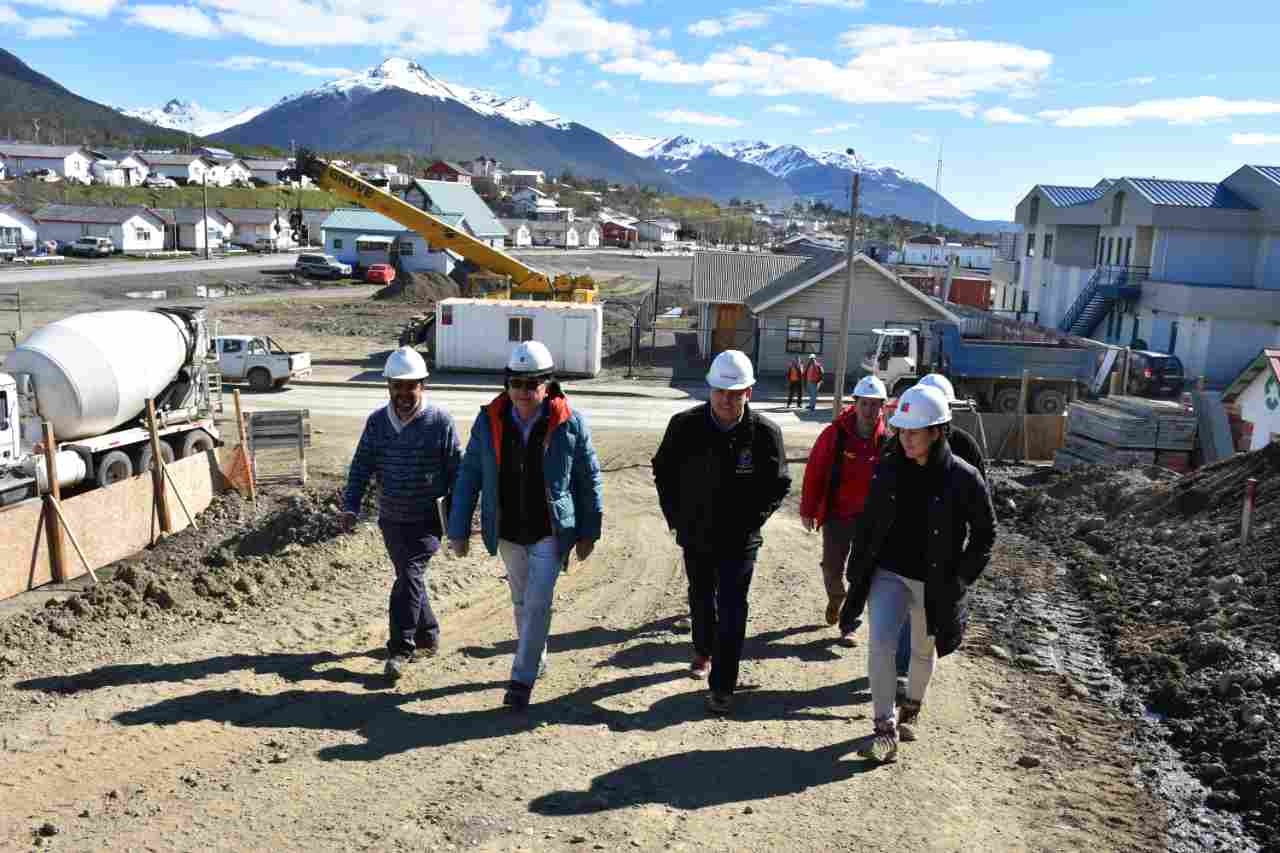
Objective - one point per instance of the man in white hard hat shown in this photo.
(721, 471)
(531, 465)
(837, 479)
(413, 447)
(925, 537)
(813, 374)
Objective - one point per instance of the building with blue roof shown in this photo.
(1186, 267)
(363, 237)
(447, 198)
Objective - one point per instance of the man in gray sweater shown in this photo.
(413, 448)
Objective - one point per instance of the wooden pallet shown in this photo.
(1111, 426)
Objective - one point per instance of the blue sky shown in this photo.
(1015, 94)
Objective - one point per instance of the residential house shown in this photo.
(181, 168)
(250, 224)
(230, 172)
(70, 162)
(214, 153)
(1186, 267)
(617, 233)
(447, 197)
(930, 250)
(446, 170)
(377, 172)
(132, 229)
(264, 170)
(588, 233)
(549, 211)
(363, 238)
(518, 233)
(135, 170)
(658, 230)
(189, 228)
(17, 230)
(107, 172)
(556, 233)
(798, 312)
(525, 200)
(314, 222)
(722, 281)
(526, 178)
(1253, 402)
(486, 167)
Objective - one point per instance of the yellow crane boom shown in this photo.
(525, 280)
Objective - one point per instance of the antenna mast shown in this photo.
(937, 191)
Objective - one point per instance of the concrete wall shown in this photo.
(1232, 345)
(1075, 245)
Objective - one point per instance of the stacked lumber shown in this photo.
(1122, 431)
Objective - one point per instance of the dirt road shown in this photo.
(262, 721)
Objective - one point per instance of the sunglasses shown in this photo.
(526, 384)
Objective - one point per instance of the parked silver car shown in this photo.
(321, 266)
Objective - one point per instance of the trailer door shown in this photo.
(577, 336)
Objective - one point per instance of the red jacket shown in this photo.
(813, 373)
(860, 458)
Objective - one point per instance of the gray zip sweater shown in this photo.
(416, 465)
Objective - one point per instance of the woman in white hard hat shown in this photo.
(926, 535)
(962, 442)
(721, 471)
(413, 447)
(531, 465)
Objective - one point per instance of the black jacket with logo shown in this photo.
(718, 488)
(960, 530)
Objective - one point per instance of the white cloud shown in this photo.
(663, 33)
(964, 108)
(627, 2)
(831, 4)
(86, 8)
(532, 68)
(788, 110)
(1255, 139)
(1145, 80)
(603, 86)
(922, 138)
(947, 2)
(889, 35)
(306, 69)
(1174, 111)
(1004, 115)
(701, 119)
(427, 27)
(41, 28)
(780, 48)
(836, 128)
(733, 22)
(571, 26)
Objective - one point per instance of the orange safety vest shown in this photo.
(814, 373)
(794, 374)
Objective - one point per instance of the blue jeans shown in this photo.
(718, 588)
(813, 395)
(892, 599)
(413, 623)
(532, 572)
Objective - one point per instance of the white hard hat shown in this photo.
(731, 371)
(530, 357)
(921, 406)
(405, 363)
(870, 387)
(942, 383)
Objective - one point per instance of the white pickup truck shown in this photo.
(260, 361)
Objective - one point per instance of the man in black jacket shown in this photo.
(720, 471)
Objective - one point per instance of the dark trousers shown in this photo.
(718, 589)
(413, 624)
(794, 389)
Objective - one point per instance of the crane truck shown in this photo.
(525, 282)
(90, 376)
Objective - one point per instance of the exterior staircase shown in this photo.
(1107, 286)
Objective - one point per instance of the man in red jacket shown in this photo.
(837, 480)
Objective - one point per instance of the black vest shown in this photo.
(523, 514)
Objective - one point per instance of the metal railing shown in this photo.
(1119, 277)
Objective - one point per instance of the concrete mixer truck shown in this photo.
(90, 375)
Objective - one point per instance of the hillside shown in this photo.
(31, 194)
(27, 96)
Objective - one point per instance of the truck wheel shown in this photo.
(1006, 401)
(195, 442)
(113, 466)
(1049, 401)
(144, 455)
(260, 379)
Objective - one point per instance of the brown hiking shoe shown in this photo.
(834, 603)
(882, 747)
(908, 718)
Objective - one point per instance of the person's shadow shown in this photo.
(709, 777)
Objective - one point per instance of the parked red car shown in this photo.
(380, 274)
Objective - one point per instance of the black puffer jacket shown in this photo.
(960, 528)
(716, 488)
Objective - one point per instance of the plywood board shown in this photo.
(1045, 433)
(110, 523)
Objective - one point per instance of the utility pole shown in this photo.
(204, 222)
(846, 305)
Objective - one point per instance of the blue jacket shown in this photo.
(416, 465)
(570, 468)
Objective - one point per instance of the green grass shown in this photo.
(33, 194)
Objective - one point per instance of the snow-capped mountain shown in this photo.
(190, 117)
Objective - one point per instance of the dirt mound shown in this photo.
(420, 287)
(1189, 614)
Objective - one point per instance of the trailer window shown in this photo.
(4, 410)
(520, 329)
(804, 334)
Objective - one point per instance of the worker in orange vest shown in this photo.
(795, 380)
(813, 374)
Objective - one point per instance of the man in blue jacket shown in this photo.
(531, 465)
(413, 447)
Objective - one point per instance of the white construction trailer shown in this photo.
(478, 334)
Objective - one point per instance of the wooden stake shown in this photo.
(157, 472)
(1023, 393)
(244, 448)
(57, 510)
(51, 527)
